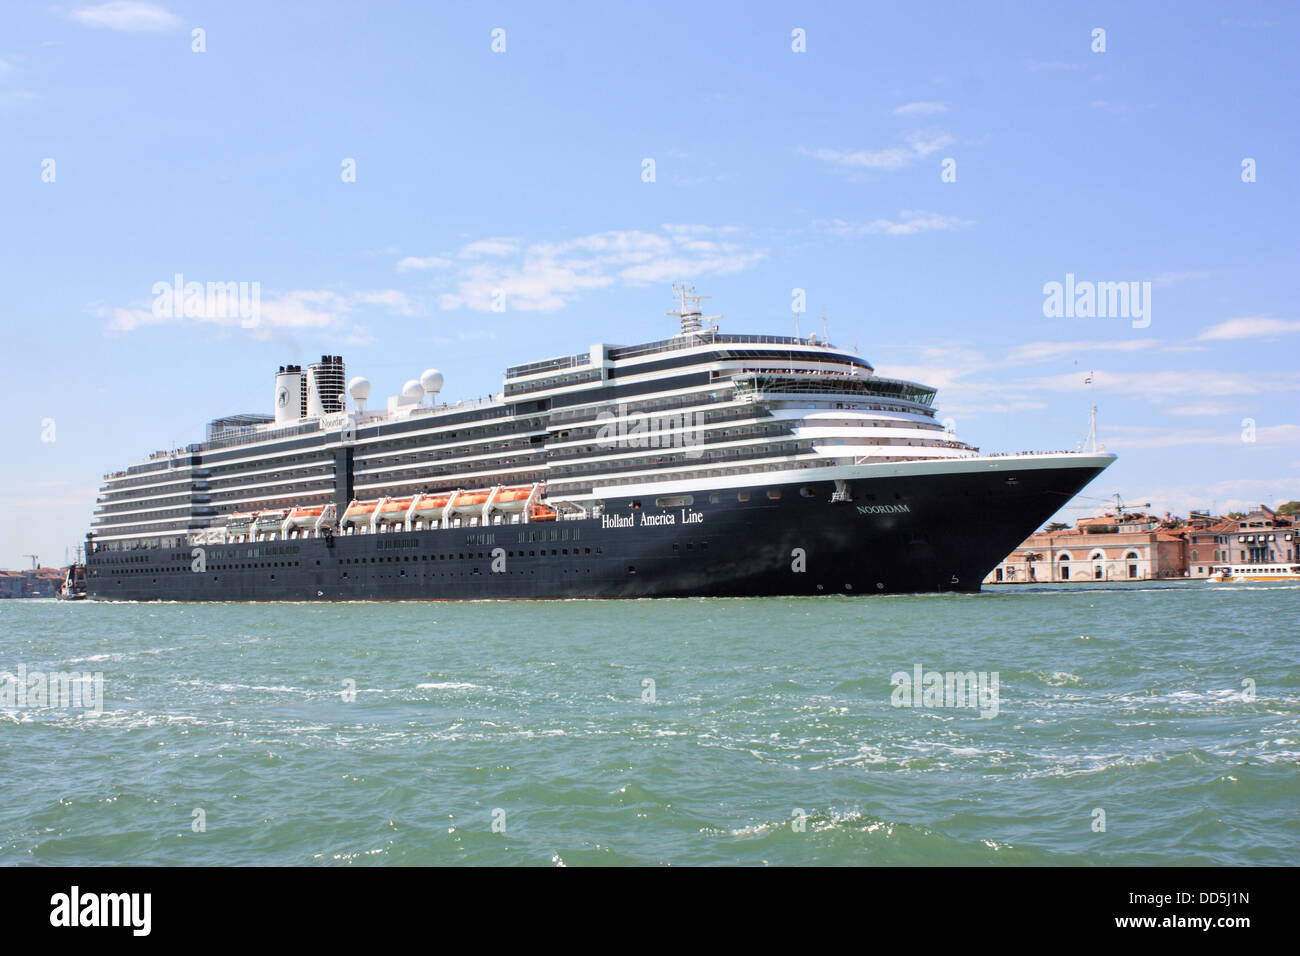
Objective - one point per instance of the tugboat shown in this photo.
(74, 582)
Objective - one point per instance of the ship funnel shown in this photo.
(288, 394)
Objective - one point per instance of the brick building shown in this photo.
(1261, 537)
(42, 582)
(1141, 547)
(1128, 547)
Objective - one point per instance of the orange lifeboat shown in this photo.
(305, 517)
(512, 499)
(470, 502)
(359, 511)
(542, 513)
(395, 509)
(431, 506)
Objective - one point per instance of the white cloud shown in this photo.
(298, 309)
(1203, 409)
(920, 143)
(924, 142)
(428, 262)
(546, 276)
(1240, 494)
(1248, 328)
(1149, 436)
(490, 247)
(890, 159)
(1161, 385)
(129, 16)
(909, 223)
(920, 109)
(1047, 351)
(971, 383)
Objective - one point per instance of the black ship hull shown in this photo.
(896, 534)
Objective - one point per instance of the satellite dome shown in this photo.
(431, 380)
(359, 388)
(413, 389)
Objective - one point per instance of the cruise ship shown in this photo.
(702, 465)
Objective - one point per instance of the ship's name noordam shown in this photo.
(629, 521)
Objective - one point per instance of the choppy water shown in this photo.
(1129, 700)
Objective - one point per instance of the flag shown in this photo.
(1088, 380)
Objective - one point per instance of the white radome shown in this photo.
(359, 388)
(413, 389)
(432, 380)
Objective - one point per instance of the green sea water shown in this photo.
(661, 732)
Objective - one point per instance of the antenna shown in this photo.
(826, 335)
(35, 561)
(693, 323)
(1092, 415)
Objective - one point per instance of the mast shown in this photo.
(1092, 418)
(693, 322)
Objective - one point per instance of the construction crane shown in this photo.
(1121, 505)
(36, 565)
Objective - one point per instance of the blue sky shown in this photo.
(774, 170)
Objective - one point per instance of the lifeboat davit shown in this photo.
(240, 523)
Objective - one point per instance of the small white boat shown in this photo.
(1237, 573)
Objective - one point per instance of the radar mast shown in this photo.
(693, 322)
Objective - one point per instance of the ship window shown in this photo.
(715, 498)
(675, 501)
(742, 496)
(773, 493)
(807, 491)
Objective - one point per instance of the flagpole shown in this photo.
(1092, 420)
